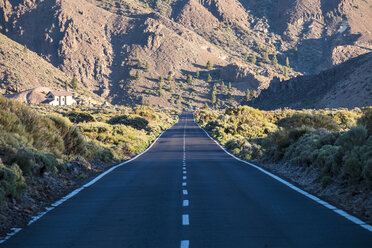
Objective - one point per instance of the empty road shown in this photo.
(187, 192)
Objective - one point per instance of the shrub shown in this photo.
(315, 121)
(73, 140)
(12, 183)
(356, 136)
(329, 159)
(136, 122)
(345, 119)
(366, 119)
(301, 151)
(77, 117)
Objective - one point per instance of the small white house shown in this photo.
(56, 98)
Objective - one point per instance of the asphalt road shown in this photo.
(212, 201)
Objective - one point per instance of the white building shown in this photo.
(55, 97)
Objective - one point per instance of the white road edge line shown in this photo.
(325, 204)
(185, 220)
(76, 191)
(185, 243)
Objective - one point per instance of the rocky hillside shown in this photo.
(120, 49)
(347, 85)
(22, 69)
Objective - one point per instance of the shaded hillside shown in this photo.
(119, 49)
(346, 85)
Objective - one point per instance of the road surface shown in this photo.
(206, 200)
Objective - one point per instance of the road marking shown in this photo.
(184, 177)
(185, 220)
(184, 172)
(184, 184)
(184, 168)
(185, 192)
(185, 203)
(314, 198)
(185, 243)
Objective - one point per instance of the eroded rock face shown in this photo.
(236, 73)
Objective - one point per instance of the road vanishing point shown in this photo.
(185, 191)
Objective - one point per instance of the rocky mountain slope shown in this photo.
(119, 49)
(22, 69)
(347, 85)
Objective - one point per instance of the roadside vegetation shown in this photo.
(40, 147)
(337, 143)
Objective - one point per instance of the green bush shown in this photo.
(356, 136)
(315, 121)
(338, 142)
(12, 183)
(136, 122)
(366, 119)
(329, 159)
(77, 117)
(345, 119)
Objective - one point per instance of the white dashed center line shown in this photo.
(185, 244)
(185, 202)
(185, 220)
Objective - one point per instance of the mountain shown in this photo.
(22, 69)
(346, 85)
(108, 43)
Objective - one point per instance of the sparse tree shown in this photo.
(254, 59)
(213, 97)
(209, 78)
(137, 53)
(171, 88)
(170, 78)
(206, 106)
(197, 74)
(138, 75)
(285, 73)
(248, 95)
(74, 83)
(147, 67)
(161, 79)
(214, 87)
(266, 55)
(190, 80)
(161, 93)
(66, 85)
(230, 86)
(246, 56)
(139, 64)
(275, 59)
(287, 62)
(25, 49)
(209, 65)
